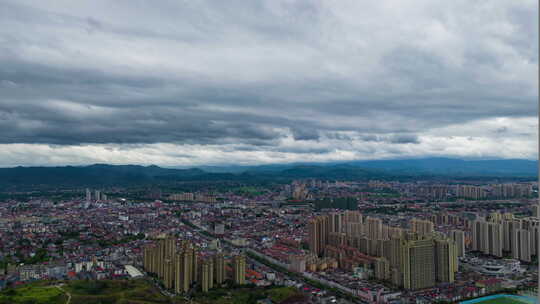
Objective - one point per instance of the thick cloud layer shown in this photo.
(213, 82)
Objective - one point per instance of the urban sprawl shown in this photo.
(363, 242)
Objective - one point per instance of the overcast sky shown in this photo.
(186, 83)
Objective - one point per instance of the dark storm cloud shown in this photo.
(256, 73)
(305, 134)
(404, 139)
(369, 138)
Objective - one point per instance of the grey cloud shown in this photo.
(305, 134)
(369, 138)
(338, 136)
(501, 130)
(254, 73)
(391, 138)
(404, 139)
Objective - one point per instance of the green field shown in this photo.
(116, 292)
(86, 292)
(245, 295)
(278, 295)
(134, 292)
(35, 293)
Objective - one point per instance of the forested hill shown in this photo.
(101, 174)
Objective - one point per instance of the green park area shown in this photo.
(115, 292)
(281, 294)
(34, 293)
(135, 292)
(247, 295)
(87, 292)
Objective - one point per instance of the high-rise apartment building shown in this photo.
(418, 264)
(395, 232)
(502, 191)
(394, 252)
(168, 272)
(352, 216)
(382, 269)
(495, 239)
(494, 217)
(508, 230)
(239, 268)
(353, 224)
(458, 236)
(471, 192)
(155, 258)
(445, 260)
(488, 237)
(219, 268)
(354, 229)
(426, 261)
(206, 274)
(88, 195)
(422, 227)
(183, 271)
(318, 234)
(194, 265)
(180, 269)
(335, 222)
(521, 245)
(535, 239)
(186, 196)
(374, 228)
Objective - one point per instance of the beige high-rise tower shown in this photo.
(335, 223)
(478, 235)
(219, 269)
(422, 227)
(194, 265)
(168, 273)
(318, 233)
(418, 264)
(179, 268)
(445, 260)
(488, 237)
(156, 259)
(351, 216)
(521, 245)
(147, 259)
(458, 236)
(495, 239)
(374, 228)
(206, 274)
(382, 269)
(239, 268)
(395, 252)
(183, 271)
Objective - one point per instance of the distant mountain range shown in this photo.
(123, 175)
(437, 166)
(449, 166)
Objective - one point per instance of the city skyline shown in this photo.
(363, 241)
(206, 83)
